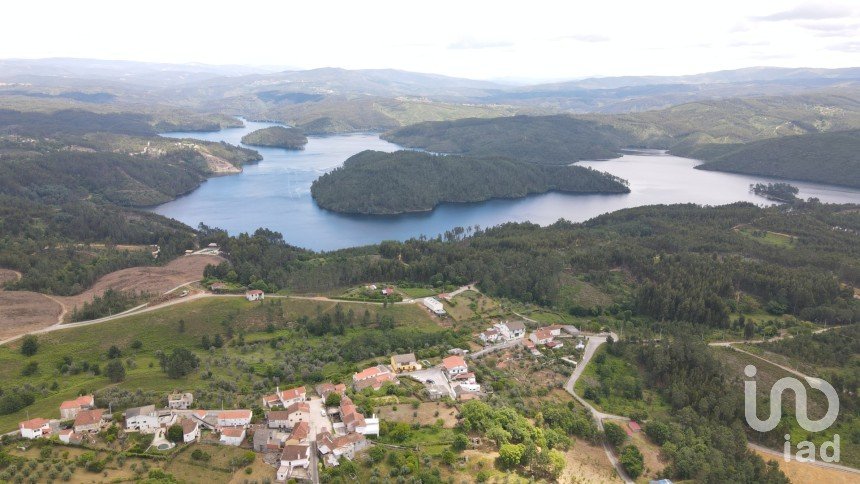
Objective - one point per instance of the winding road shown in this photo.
(591, 347)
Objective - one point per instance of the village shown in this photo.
(299, 431)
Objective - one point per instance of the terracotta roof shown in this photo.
(300, 431)
(89, 417)
(188, 425)
(299, 407)
(350, 438)
(543, 334)
(369, 372)
(515, 325)
(234, 414)
(82, 401)
(293, 393)
(255, 291)
(528, 344)
(233, 432)
(295, 452)
(453, 362)
(464, 376)
(278, 415)
(34, 423)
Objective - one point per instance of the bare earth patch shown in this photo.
(8, 275)
(23, 311)
(152, 280)
(587, 463)
(802, 473)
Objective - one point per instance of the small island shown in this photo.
(277, 137)
(377, 183)
(778, 192)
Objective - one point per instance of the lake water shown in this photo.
(275, 193)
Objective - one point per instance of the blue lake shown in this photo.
(275, 193)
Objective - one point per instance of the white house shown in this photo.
(541, 336)
(35, 428)
(232, 436)
(254, 295)
(285, 398)
(580, 345)
(333, 447)
(234, 418)
(66, 435)
(489, 336)
(454, 365)
(190, 430)
(293, 456)
(180, 401)
(143, 419)
(511, 329)
(289, 418)
(434, 305)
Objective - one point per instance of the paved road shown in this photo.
(594, 342)
(495, 347)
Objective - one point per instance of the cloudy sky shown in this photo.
(532, 39)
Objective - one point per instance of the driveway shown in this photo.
(317, 422)
(436, 376)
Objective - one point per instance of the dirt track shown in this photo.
(22, 312)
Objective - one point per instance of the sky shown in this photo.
(525, 40)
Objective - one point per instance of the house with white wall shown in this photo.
(35, 428)
(143, 419)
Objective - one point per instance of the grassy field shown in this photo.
(162, 330)
(766, 377)
(767, 237)
(51, 465)
(619, 376)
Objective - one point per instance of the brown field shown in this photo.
(800, 473)
(152, 280)
(426, 414)
(23, 311)
(8, 275)
(587, 463)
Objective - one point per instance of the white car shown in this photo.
(322, 412)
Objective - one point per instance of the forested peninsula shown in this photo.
(546, 140)
(277, 137)
(377, 183)
(832, 157)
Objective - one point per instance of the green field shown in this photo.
(767, 237)
(244, 360)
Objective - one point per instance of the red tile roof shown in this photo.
(453, 362)
(300, 431)
(233, 432)
(293, 393)
(234, 414)
(89, 417)
(34, 423)
(82, 401)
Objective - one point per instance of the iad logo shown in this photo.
(805, 450)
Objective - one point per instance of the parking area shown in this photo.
(435, 380)
(317, 421)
